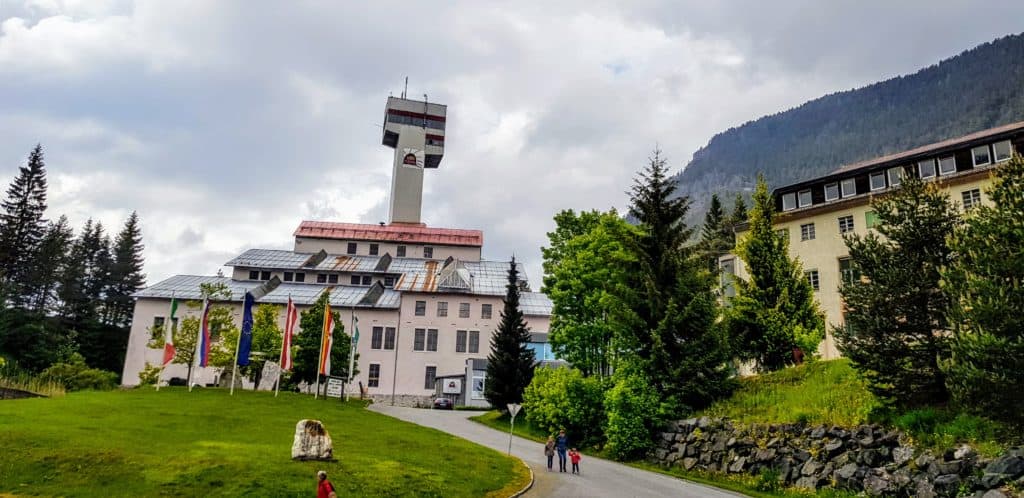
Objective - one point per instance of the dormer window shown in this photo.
(849, 187)
(981, 156)
(895, 176)
(788, 202)
(1003, 150)
(877, 181)
(804, 197)
(831, 192)
(947, 165)
(926, 168)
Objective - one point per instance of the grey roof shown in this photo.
(187, 287)
(535, 304)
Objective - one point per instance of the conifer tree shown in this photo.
(75, 305)
(716, 237)
(48, 265)
(22, 226)
(510, 363)
(126, 275)
(736, 217)
(985, 283)
(774, 310)
(895, 314)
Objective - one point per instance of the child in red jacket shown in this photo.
(574, 457)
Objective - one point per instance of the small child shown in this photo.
(574, 457)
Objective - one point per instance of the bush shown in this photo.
(633, 413)
(149, 375)
(563, 398)
(75, 375)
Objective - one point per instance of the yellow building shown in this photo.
(815, 214)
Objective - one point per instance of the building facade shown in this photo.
(817, 213)
(425, 300)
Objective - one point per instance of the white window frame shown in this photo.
(813, 277)
(851, 224)
(372, 381)
(931, 163)
(835, 186)
(871, 180)
(974, 200)
(792, 201)
(800, 198)
(974, 156)
(898, 170)
(464, 310)
(442, 308)
(995, 153)
(942, 161)
(853, 187)
(807, 232)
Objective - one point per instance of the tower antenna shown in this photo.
(406, 89)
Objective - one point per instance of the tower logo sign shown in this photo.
(413, 158)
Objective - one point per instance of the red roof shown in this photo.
(391, 233)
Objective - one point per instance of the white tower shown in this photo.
(415, 129)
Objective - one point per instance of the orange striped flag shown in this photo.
(326, 341)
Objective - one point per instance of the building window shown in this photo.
(460, 341)
(1003, 150)
(812, 278)
(354, 280)
(367, 279)
(321, 278)
(373, 379)
(877, 181)
(788, 202)
(479, 384)
(289, 276)
(847, 272)
(332, 278)
(831, 192)
(351, 248)
(442, 308)
(485, 311)
(264, 275)
(428, 252)
(807, 231)
(783, 234)
(947, 165)
(377, 338)
(849, 187)
(428, 378)
(727, 277)
(804, 198)
(463, 310)
(389, 282)
(421, 308)
(158, 324)
(474, 341)
(300, 277)
(981, 155)
(971, 198)
(374, 249)
(400, 251)
(431, 339)
(926, 168)
(419, 340)
(254, 275)
(895, 176)
(389, 338)
(871, 219)
(846, 224)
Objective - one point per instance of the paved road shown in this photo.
(598, 478)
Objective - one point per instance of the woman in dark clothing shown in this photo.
(561, 445)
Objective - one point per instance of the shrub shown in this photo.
(75, 375)
(149, 375)
(563, 397)
(633, 413)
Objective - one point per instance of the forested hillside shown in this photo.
(978, 89)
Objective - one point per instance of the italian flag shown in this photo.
(169, 350)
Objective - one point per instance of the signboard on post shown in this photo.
(334, 387)
(513, 410)
(451, 386)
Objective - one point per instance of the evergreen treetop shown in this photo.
(22, 226)
(510, 362)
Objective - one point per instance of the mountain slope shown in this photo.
(978, 89)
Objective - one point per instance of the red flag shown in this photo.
(291, 317)
(169, 350)
(325, 341)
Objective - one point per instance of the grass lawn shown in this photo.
(498, 421)
(206, 443)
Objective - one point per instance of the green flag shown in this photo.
(355, 334)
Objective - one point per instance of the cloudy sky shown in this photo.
(226, 123)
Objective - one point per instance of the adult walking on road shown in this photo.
(562, 445)
(549, 451)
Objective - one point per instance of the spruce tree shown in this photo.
(48, 265)
(668, 310)
(510, 363)
(716, 237)
(737, 217)
(895, 313)
(75, 306)
(774, 310)
(22, 226)
(985, 284)
(126, 275)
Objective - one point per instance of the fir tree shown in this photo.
(895, 315)
(985, 283)
(75, 305)
(48, 265)
(22, 226)
(737, 217)
(668, 309)
(126, 275)
(307, 344)
(716, 237)
(510, 363)
(774, 310)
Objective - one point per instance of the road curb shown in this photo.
(529, 485)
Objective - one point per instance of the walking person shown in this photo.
(324, 488)
(549, 451)
(574, 457)
(561, 445)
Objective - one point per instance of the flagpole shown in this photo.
(170, 318)
(287, 317)
(320, 356)
(351, 354)
(196, 353)
(234, 370)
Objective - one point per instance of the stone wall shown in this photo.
(866, 458)
(6, 393)
(409, 400)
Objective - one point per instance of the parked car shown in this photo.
(443, 404)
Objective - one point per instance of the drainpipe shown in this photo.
(398, 335)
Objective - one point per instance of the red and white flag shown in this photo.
(169, 350)
(326, 341)
(291, 318)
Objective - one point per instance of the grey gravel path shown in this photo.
(598, 478)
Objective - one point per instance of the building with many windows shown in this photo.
(426, 301)
(815, 214)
